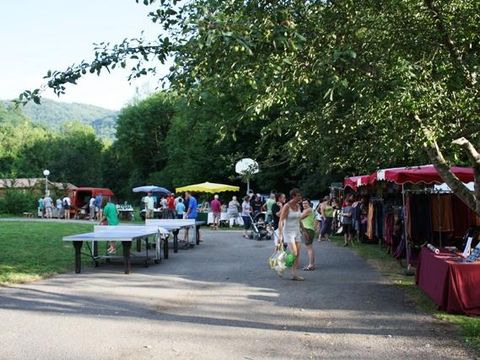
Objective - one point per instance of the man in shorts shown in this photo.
(216, 207)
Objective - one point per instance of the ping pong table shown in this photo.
(174, 226)
(125, 234)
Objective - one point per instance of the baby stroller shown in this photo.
(260, 230)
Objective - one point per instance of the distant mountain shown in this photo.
(52, 114)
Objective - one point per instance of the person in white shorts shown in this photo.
(289, 228)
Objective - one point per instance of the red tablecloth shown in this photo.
(454, 286)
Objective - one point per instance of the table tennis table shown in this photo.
(126, 234)
(174, 226)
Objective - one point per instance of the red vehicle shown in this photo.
(80, 198)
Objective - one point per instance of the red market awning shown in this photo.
(419, 174)
(354, 182)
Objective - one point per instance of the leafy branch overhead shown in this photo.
(332, 85)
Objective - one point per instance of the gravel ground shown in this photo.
(219, 300)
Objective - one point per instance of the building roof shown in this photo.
(25, 183)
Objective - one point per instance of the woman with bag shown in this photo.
(289, 228)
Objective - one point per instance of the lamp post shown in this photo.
(46, 173)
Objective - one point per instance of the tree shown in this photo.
(350, 84)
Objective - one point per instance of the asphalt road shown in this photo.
(219, 300)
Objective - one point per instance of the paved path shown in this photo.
(220, 301)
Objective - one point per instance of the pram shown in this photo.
(260, 230)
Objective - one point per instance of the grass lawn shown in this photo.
(35, 250)
(390, 267)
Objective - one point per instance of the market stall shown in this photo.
(450, 281)
(211, 188)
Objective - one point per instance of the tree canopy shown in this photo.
(336, 86)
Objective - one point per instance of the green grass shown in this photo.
(392, 269)
(35, 250)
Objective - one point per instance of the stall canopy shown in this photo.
(419, 174)
(208, 187)
(354, 182)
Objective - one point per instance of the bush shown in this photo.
(16, 202)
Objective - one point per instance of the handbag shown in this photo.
(276, 261)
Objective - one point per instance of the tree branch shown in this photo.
(474, 156)
(458, 187)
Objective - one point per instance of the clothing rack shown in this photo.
(430, 191)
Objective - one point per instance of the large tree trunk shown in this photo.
(472, 200)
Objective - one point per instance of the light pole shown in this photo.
(46, 173)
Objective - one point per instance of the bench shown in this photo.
(27, 214)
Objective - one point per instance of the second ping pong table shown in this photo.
(125, 234)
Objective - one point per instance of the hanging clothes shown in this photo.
(420, 218)
(370, 224)
(442, 215)
(461, 217)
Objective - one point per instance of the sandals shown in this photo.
(297, 278)
(309, 268)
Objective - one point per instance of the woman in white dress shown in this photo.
(289, 228)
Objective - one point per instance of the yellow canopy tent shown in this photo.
(208, 187)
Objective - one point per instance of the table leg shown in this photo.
(197, 234)
(165, 247)
(78, 256)
(139, 245)
(175, 240)
(126, 255)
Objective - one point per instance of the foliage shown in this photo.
(53, 114)
(335, 86)
(15, 202)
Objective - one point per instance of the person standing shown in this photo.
(327, 215)
(149, 206)
(110, 216)
(216, 207)
(58, 205)
(256, 204)
(289, 228)
(246, 211)
(307, 225)
(276, 210)
(347, 222)
(171, 206)
(41, 207)
(48, 204)
(268, 207)
(98, 206)
(191, 212)
(232, 211)
(67, 203)
(91, 207)
(180, 208)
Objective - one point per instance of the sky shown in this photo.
(41, 35)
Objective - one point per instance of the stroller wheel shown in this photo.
(268, 237)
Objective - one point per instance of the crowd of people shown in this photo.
(48, 209)
(61, 208)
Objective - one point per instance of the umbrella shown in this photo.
(208, 188)
(151, 188)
